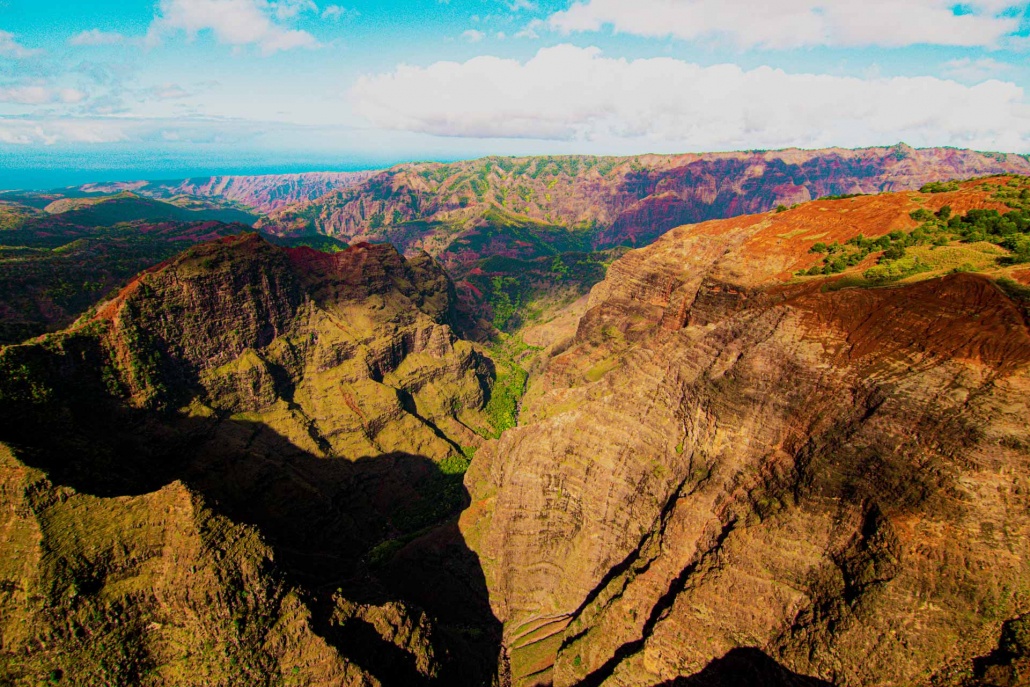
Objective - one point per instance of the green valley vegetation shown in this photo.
(502, 408)
(324, 244)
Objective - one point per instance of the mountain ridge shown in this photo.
(599, 192)
(192, 497)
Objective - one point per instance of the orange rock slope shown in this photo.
(733, 468)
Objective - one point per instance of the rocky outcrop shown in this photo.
(53, 271)
(245, 469)
(740, 459)
(732, 467)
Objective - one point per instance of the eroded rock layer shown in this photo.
(731, 469)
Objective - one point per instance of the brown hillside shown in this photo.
(733, 463)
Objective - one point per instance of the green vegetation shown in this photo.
(840, 257)
(1010, 231)
(106, 211)
(501, 301)
(502, 408)
(14, 215)
(559, 268)
(843, 196)
(325, 244)
(908, 253)
(51, 272)
(894, 269)
(939, 187)
(599, 370)
(441, 495)
(522, 261)
(1015, 290)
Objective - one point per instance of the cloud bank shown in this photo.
(577, 94)
(795, 23)
(237, 22)
(9, 47)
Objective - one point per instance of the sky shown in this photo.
(123, 89)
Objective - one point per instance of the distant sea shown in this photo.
(35, 178)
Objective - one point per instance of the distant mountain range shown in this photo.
(612, 201)
(261, 193)
(509, 218)
(510, 231)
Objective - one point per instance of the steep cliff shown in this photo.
(789, 448)
(245, 469)
(731, 469)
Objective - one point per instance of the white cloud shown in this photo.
(662, 104)
(168, 91)
(29, 132)
(40, 95)
(236, 22)
(10, 47)
(96, 37)
(334, 12)
(287, 9)
(530, 31)
(125, 135)
(473, 36)
(71, 95)
(782, 24)
(26, 95)
(972, 71)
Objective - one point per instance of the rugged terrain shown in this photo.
(519, 236)
(730, 469)
(59, 260)
(603, 202)
(262, 193)
(498, 218)
(244, 470)
(789, 447)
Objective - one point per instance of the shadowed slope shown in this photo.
(237, 415)
(746, 668)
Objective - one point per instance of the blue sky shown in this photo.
(126, 88)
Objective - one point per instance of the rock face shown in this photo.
(244, 470)
(733, 471)
(607, 202)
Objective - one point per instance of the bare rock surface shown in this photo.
(732, 466)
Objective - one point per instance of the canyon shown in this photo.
(788, 446)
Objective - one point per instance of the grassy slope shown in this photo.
(989, 241)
